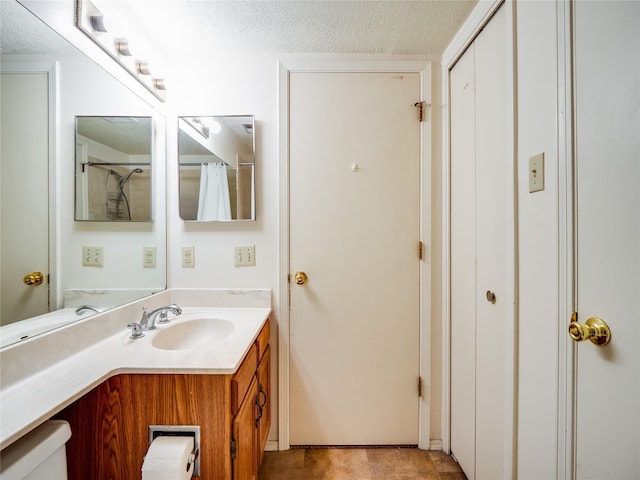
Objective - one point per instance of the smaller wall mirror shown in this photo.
(113, 169)
(217, 168)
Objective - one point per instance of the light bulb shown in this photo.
(143, 67)
(114, 23)
(159, 83)
(97, 23)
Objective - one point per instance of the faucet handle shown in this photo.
(163, 317)
(136, 330)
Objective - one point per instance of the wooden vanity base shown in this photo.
(109, 425)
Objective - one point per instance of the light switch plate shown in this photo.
(92, 257)
(536, 173)
(244, 256)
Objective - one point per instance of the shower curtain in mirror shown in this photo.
(213, 203)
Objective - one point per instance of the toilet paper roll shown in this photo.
(167, 459)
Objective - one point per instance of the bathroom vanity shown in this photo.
(110, 423)
(208, 367)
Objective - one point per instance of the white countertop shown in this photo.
(31, 398)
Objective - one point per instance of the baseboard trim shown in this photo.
(436, 445)
(271, 446)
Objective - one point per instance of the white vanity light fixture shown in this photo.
(212, 124)
(123, 38)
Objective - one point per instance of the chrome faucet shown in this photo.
(148, 320)
(83, 308)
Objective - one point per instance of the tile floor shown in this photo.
(359, 464)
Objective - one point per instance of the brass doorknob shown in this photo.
(594, 329)
(300, 278)
(35, 278)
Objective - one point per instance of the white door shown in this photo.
(463, 259)
(24, 177)
(607, 163)
(481, 229)
(354, 230)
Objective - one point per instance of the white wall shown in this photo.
(538, 232)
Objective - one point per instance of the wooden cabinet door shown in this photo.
(264, 400)
(244, 437)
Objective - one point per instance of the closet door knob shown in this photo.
(491, 297)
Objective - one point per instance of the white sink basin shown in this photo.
(191, 333)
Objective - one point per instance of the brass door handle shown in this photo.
(594, 329)
(35, 278)
(300, 278)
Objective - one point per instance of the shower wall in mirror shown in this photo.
(113, 169)
(217, 168)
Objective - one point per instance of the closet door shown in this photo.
(493, 187)
(463, 258)
(480, 226)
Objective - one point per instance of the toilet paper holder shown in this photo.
(193, 458)
(182, 431)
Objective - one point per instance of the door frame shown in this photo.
(51, 70)
(353, 64)
(474, 24)
(567, 378)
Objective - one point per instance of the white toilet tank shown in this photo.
(39, 455)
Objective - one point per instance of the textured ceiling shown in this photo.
(260, 26)
(303, 26)
(22, 33)
(130, 135)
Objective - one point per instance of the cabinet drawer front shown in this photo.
(242, 379)
(263, 339)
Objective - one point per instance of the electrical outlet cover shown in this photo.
(188, 256)
(149, 257)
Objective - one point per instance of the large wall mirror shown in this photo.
(217, 168)
(113, 169)
(46, 84)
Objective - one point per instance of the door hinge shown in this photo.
(234, 450)
(420, 106)
(420, 250)
(420, 387)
